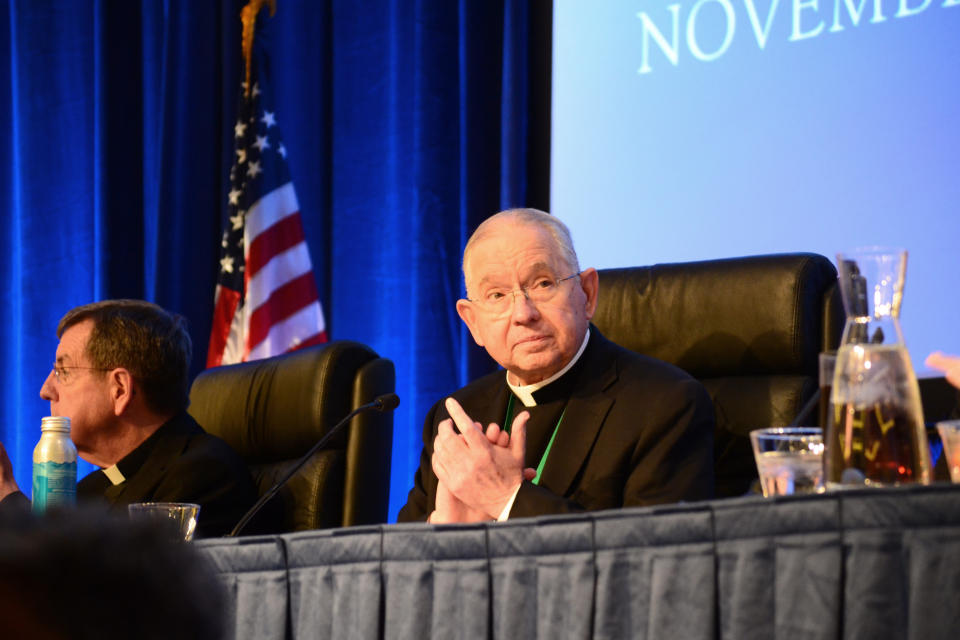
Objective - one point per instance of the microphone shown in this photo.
(386, 402)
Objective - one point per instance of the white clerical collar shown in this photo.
(113, 474)
(525, 392)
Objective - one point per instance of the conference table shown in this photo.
(880, 563)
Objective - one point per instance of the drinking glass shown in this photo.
(789, 459)
(950, 436)
(828, 362)
(177, 519)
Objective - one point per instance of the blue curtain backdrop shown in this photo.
(407, 122)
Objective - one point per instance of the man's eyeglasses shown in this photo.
(498, 301)
(62, 374)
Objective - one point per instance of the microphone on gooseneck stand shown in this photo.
(386, 402)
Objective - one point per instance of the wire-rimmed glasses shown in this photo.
(62, 374)
(499, 300)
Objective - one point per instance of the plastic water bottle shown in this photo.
(54, 466)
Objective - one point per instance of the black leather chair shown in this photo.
(272, 411)
(750, 329)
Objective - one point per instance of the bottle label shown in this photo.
(54, 485)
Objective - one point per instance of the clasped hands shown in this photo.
(479, 471)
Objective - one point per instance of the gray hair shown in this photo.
(533, 217)
(140, 336)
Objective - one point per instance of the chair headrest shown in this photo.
(754, 315)
(276, 408)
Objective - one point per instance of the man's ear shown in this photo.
(121, 389)
(468, 313)
(590, 283)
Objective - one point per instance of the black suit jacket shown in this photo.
(180, 462)
(635, 431)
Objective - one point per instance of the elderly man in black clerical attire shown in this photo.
(121, 376)
(576, 422)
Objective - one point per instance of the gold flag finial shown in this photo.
(248, 16)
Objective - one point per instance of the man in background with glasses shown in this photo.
(576, 422)
(121, 375)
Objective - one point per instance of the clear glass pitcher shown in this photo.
(875, 430)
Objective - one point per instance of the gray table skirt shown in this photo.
(865, 564)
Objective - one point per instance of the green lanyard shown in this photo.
(543, 460)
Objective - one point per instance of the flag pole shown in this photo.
(248, 16)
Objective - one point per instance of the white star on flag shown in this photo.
(253, 169)
(234, 196)
(241, 156)
(268, 119)
(261, 143)
(226, 264)
(239, 129)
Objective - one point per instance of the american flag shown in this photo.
(266, 299)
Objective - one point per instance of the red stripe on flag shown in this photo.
(282, 303)
(225, 307)
(317, 338)
(274, 240)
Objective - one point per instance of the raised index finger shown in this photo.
(471, 431)
(460, 417)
